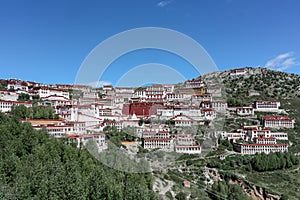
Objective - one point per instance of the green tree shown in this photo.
(181, 196)
(23, 97)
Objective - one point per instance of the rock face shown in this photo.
(255, 192)
(258, 193)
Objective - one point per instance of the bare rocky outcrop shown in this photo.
(255, 192)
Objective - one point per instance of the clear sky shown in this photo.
(47, 41)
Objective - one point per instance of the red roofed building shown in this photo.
(265, 140)
(186, 184)
(153, 128)
(262, 148)
(57, 100)
(208, 114)
(194, 83)
(256, 131)
(161, 143)
(57, 131)
(278, 122)
(17, 85)
(141, 109)
(262, 145)
(154, 134)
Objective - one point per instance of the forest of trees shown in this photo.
(34, 112)
(26, 97)
(274, 161)
(116, 136)
(259, 162)
(34, 165)
(224, 190)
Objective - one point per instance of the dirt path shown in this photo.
(162, 187)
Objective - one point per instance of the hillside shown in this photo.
(265, 84)
(259, 83)
(36, 166)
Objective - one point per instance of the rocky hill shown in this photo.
(259, 83)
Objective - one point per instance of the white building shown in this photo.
(194, 84)
(5, 106)
(262, 145)
(57, 131)
(196, 149)
(57, 100)
(238, 72)
(201, 97)
(8, 95)
(176, 97)
(172, 111)
(160, 143)
(279, 135)
(156, 128)
(278, 122)
(47, 91)
(17, 85)
(208, 114)
(154, 93)
(219, 106)
(154, 134)
(184, 139)
(183, 120)
(215, 91)
(98, 138)
(244, 111)
(256, 131)
(266, 106)
(232, 135)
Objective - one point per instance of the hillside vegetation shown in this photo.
(261, 83)
(36, 166)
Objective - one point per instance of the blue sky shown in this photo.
(47, 41)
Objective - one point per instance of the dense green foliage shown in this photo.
(34, 112)
(224, 190)
(3, 84)
(23, 97)
(36, 166)
(225, 144)
(274, 161)
(116, 136)
(234, 102)
(268, 83)
(181, 196)
(144, 121)
(260, 162)
(75, 94)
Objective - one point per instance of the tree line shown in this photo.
(34, 112)
(34, 165)
(258, 162)
(274, 161)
